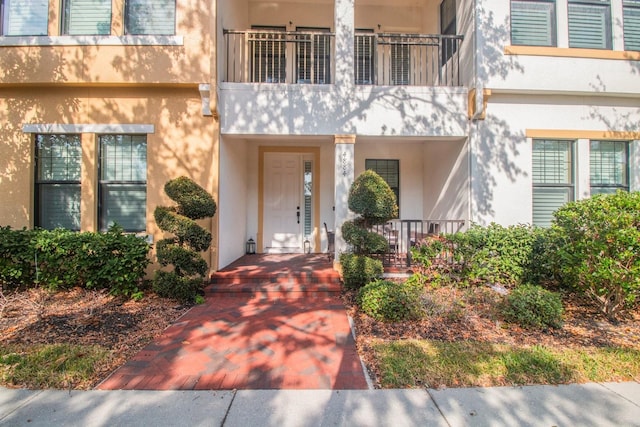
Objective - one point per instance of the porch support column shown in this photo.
(344, 176)
(345, 33)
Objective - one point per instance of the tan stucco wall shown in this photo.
(184, 143)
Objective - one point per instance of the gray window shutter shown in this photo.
(88, 17)
(152, 17)
(631, 24)
(590, 25)
(26, 17)
(533, 23)
(546, 201)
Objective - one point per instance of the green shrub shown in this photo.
(185, 289)
(186, 280)
(533, 306)
(358, 270)
(598, 249)
(362, 240)
(371, 197)
(193, 201)
(390, 301)
(60, 259)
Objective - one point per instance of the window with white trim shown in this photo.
(533, 22)
(24, 17)
(631, 13)
(590, 24)
(150, 17)
(86, 17)
(123, 182)
(57, 183)
(389, 170)
(553, 178)
(609, 166)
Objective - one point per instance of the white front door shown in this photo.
(283, 208)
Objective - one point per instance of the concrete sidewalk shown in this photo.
(610, 404)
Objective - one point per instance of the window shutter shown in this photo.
(533, 23)
(546, 201)
(26, 17)
(88, 17)
(590, 25)
(400, 63)
(364, 58)
(631, 24)
(152, 17)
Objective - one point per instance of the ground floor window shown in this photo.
(389, 170)
(123, 182)
(609, 166)
(57, 182)
(553, 178)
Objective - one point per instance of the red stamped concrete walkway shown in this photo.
(250, 341)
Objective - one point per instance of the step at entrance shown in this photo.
(277, 276)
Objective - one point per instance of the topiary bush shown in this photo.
(598, 249)
(390, 301)
(374, 203)
(533, 306)
(185, 282)
(358, 270)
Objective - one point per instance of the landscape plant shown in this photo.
(598, 249)
(185, 282)
(533, 306)
(391, 301)
(374, 203)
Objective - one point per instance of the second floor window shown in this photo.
(363, 64)
(24, 17)
(400, 64)
(590, 24)
(314, 56)
(269, 54)
(86, 17)
(631, 9)
(150, 17)
(533, 22)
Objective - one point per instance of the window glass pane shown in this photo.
(123, 177)
(389, 170)
(552, 178)
(364, 58)
(547, 200)
(533, 23)
(25, 17)
(631, 24)
(308, 197)
(125, 205)
(59, 157)
(87, 17)
(609, 168)
(589, 24)
(156, 17)
(59, 206)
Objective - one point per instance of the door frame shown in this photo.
(315, 152)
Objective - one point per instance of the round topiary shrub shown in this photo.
(533, 306)
(358, 270)
(390, 301)
(371, 197)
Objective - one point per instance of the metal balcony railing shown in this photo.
(299, 57)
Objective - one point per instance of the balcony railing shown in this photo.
(266, 56)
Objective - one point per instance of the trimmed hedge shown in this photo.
(390, 301)
(62, 259)
(533, 306)
(358, 270)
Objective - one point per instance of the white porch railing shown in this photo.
(308, 57)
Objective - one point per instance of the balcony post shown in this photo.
(344, 42)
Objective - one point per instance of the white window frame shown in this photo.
(551, 38)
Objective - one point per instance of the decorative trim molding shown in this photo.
(623, 55)
(205, 96)
(583, 134)
(48, 128)
(472, 104)
(345, 139)
(8, 41)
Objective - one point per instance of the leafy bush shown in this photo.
(358, 270)
(391, 301)
(63, 259)
(534, 306)
(598, 249)
(363, 240)
(186, 280)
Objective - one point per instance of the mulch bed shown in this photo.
(85, 317)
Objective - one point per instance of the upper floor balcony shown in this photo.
(308, 57)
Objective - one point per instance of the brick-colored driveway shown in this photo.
(250, 342)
